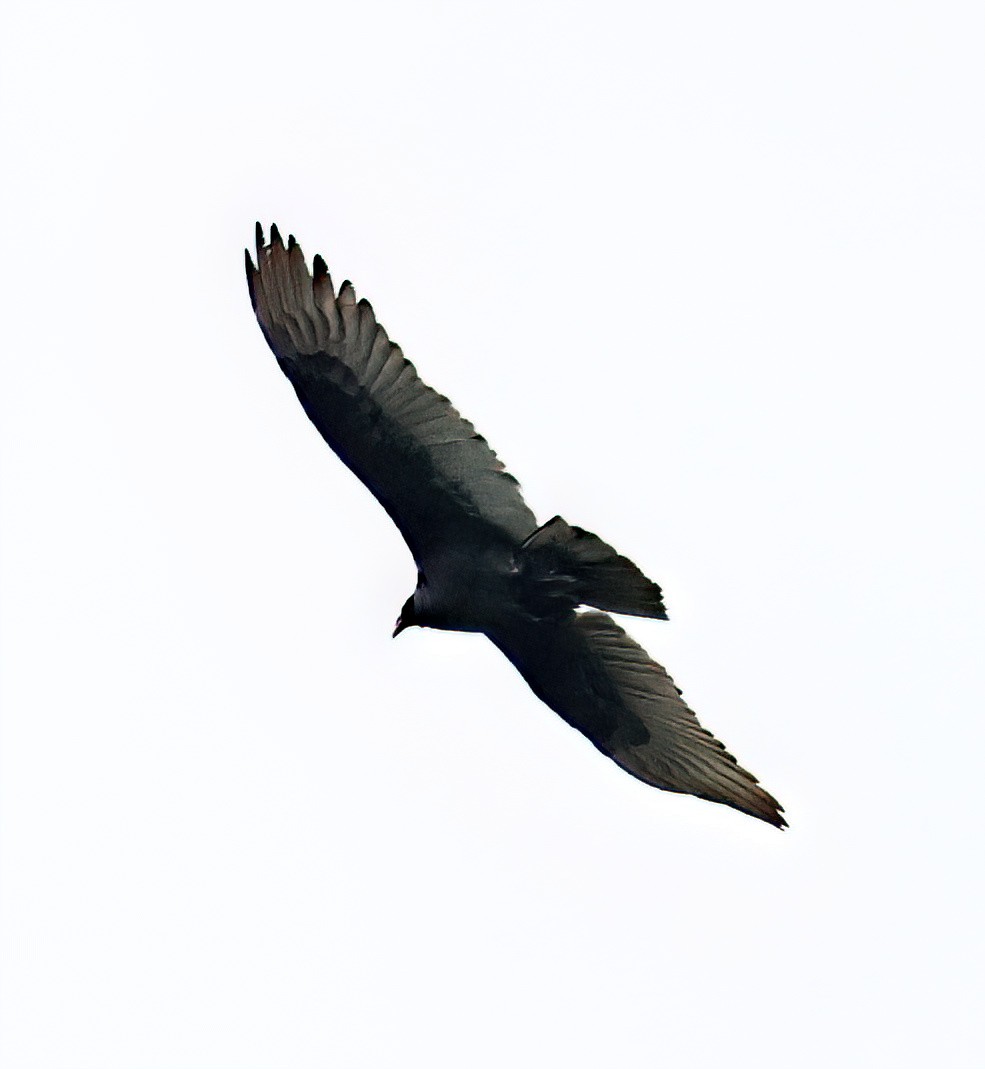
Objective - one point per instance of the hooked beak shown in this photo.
(407, 617)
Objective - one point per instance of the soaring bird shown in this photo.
(483, 563)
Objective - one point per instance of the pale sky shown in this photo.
(708, 276)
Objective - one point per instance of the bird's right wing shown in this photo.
(438, 480)
(590, 672)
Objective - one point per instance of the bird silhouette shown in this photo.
(483, 562)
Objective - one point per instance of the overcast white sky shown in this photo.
(709, 277)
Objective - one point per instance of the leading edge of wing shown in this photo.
(434, 474)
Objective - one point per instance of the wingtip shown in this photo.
(251, 272)
(770, 812)
(319, 267)
(275, 238)
(777, 821)
(259, 239)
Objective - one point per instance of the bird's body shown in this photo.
(466, 591)
(483, 563)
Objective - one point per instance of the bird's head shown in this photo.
(407, 617)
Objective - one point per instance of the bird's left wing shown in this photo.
(435, 476)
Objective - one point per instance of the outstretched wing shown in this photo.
(435, 476)
(590, 672)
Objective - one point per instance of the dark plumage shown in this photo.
(483, 563)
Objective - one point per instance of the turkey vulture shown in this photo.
(483, 562)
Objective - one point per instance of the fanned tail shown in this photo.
(571, 566)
